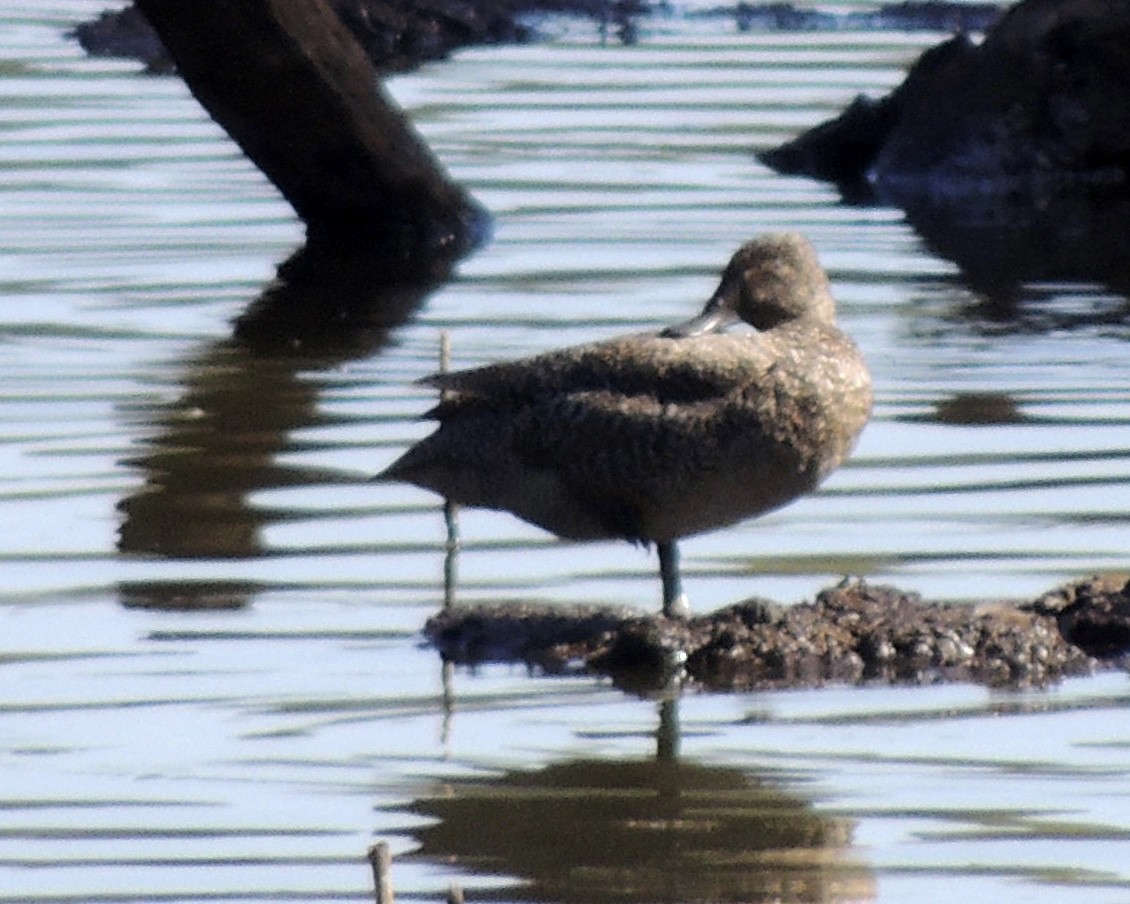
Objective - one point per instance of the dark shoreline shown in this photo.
(399, 35)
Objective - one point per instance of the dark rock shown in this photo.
(550, 637)
(1041, 100)
(911, 15)
(124, 33)
(857, 632)
(1093, 615)
(933, 15)
(396, 34)
(646, 654)
(840, 150)
(400, 34)
(854, 633)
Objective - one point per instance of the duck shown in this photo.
(657, 436)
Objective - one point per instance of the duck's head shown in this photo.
(769, 280)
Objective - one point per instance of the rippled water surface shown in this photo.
(212, 683)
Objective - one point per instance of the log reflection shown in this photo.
(216, 440)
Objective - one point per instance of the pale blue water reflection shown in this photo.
(253, 750)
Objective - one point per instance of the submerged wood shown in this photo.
(294, 89)
(853, 633)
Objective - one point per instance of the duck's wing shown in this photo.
(682, 370)
(643, 440)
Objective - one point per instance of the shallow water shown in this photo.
(252, 749)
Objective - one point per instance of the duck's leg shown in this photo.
(451, 552)
(675, 603)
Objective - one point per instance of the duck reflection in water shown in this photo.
(639, 830)
(654, 437)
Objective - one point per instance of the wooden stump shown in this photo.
(295, 90)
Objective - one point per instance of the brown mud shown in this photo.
(853, 633)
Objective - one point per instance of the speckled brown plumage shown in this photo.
(661, 435)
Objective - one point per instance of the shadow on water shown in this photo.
(658, 829)
(239, 399)
(974, 409)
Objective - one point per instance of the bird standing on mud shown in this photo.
(661, 435)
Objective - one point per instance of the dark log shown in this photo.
(294, 89)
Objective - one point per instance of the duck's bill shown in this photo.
(715, 317)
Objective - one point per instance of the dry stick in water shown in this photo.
(450, 557)
(381, 860)
(450, 509)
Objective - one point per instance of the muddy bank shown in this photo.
(854, 633)
(1039, 106)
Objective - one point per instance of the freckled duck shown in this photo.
(657, 436)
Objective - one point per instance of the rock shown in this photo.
(550, 637)
(401, 34)
(857, 632)
(1041, 101)
(853, 633)
(397, 35)
(124, 33)
(1093, 615)
(842, 149)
